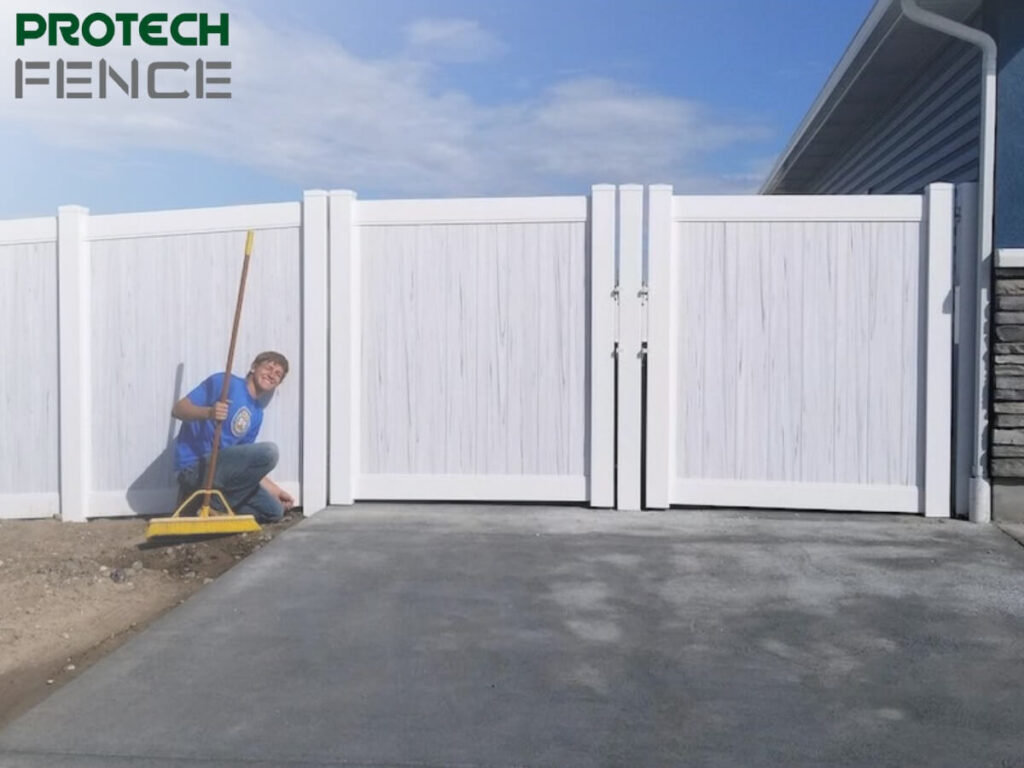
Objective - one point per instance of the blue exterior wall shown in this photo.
(1004, 19)
(929, 134)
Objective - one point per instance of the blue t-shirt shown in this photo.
(245, 415)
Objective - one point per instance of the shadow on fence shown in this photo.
(145, 494)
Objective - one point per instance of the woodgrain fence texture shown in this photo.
(797, 350)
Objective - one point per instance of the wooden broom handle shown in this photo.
(227, 368)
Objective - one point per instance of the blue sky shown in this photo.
(432, 98)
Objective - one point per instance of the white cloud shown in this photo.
(456, 40)
(310, 112)
(589, 126)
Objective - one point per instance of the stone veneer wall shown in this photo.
(1007, 453)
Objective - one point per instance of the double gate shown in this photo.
(631, 348)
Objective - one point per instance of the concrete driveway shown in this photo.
(468, 635)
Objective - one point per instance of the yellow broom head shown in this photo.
(200, 526)
(205, 523)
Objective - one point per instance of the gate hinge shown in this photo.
(956, 315)
(615, 337)
(644, 294)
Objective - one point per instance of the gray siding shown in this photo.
(930, 134)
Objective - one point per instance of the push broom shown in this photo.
(207, 520)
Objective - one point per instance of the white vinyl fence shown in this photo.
(800, 352)
(29, 397)
(464, 363)
(145, 303)
(797, 349)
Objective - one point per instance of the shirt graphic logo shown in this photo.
(240, 424)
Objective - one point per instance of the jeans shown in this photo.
(239, 471)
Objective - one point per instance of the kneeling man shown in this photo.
(242, 463)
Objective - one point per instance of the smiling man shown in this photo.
(242, 463)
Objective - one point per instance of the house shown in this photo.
(933, 91)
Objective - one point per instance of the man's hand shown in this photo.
(279, 493)
(285, 498)
(218, 411)
(186, 410)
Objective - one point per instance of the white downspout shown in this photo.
(981, 491)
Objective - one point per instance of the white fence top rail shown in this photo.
(496, 210)
(807, 208)
(193, 221)
(17, 231)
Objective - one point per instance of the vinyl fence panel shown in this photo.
(805, 360)
(461, 366)
(163, 291)
(29, 397)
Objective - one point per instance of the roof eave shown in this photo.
(827, 96)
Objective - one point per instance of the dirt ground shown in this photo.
(72, 592)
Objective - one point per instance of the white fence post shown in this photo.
(938, 376)
(602, 346)
(661, 348)
(631, 219)
(73, 308)
(314, 351)
(345, 365)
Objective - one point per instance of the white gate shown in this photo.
(471, 348)
(798, 351)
